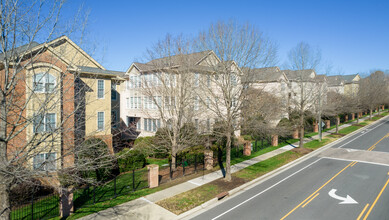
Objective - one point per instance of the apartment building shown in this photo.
(64, 97)
(156, 92)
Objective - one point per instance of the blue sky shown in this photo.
(352, 35)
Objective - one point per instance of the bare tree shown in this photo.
(38, 86)
(303, 59)
(373, 91)
(168, 91)
(238, 49)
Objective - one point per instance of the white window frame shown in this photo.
(98, 81)
(45, 162)
(44, 123)
(44, 80)
(100, 129)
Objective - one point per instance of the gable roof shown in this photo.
(335, 80)
(349, 78)
(267, 74)
(34, 47)
(171, 61)
(320, 78)
(94, 70)
(295, 75)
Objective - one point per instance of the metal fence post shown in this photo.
(183, 167)
(32, 206)
(133, 179)
(114, 187)
(94, 195)
(195, 163)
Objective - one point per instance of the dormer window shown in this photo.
(44, 82)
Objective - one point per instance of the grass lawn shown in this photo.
(317, 144)
(348, 130)
(158, 161)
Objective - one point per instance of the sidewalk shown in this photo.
(145, 207)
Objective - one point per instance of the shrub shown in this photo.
(129, 159)
(96, 153)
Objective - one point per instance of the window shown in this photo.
(149, 124)
(128, 102)
(100, 89)
(208, 80)
(44, 82)
(233, 80)
(132, 102)
(127, 85)
(196, 103)
(196, 79)
(114, 116)
(113, 91)
(45, 162)
(100, 121)
(44, 123)
(139, 102)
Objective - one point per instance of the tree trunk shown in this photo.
(228, 158)
(358, 118)
(337, 124)
(5, 209)
(371, 114)
(4, 186)
(174, 158)
(301, 144)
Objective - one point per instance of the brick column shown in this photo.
(153, 175)
(383, 107)
(376, 109)
(66, 206)
(315, 127)
(295, 134)
(208, 159)
(328, 123)
(352, 116)
(274, 140)
(346, 118)
(360, 114)
(247, 149)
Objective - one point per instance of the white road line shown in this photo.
(143, 198)
(369, 129)
(359, 161)
(197, 184)
(266, 189)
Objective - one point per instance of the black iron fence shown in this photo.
(123, 184)
(184, 165)
(43, 207)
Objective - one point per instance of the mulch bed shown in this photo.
(302, 151)
(189, 170)
(226, 186)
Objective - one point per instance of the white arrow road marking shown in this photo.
(347, 200)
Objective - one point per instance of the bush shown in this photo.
(130, 159)
(96, 153)
(247, 137)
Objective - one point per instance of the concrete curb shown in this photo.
(248, 185)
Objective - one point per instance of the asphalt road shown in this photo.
(322, 187)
